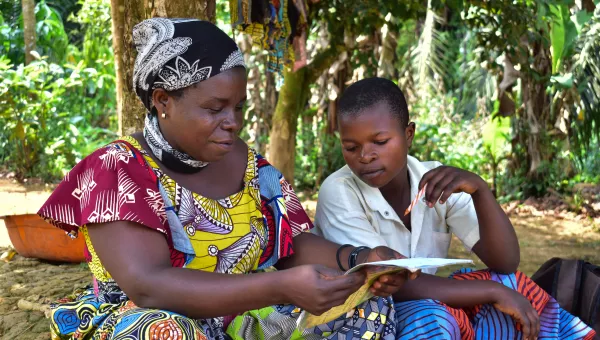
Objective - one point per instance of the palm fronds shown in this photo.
(428, 56)
(587, 80)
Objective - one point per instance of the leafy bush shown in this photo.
(60, 108)
(44, 121)
(318, 153)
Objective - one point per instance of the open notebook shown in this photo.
(307, 320)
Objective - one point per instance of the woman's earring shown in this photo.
(164, 115)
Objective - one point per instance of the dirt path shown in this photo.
(27, 286)
(544, 237)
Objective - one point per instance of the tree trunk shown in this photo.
(282, 139)
(536, 108)
(125, 15)
(588, 5)
(292, 98)
(385, 68)
(29, 28)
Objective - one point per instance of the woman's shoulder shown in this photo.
(266, 170)
(123, 152)
(113, 183)
(112, 163)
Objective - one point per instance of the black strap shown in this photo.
(337, 256)
(579, 280)
(354, 255)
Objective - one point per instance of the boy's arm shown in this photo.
(469, 293)
(498, 246)
(454, 293)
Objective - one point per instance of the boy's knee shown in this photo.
(427, 319)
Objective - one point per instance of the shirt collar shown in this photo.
(375, 199)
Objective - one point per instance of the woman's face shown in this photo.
(375, 144)
(205, 120)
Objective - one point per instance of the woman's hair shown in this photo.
(177, 94)
(370, 91)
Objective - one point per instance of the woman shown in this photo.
(168, 215)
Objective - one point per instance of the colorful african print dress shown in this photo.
(246, 232)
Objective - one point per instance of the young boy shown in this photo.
(364, 204)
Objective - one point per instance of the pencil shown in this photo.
(414, 202)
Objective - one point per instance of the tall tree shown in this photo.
(29, 28)
(344, 20)
(125, 15)
(538, 38)
(385, 67)
(292, 99)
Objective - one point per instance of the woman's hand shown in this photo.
(317, 288)
(388, 284)
(446, 180)
(519, 308)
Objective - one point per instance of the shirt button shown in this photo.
(386, 213)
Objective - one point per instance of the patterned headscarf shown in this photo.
(174, 54)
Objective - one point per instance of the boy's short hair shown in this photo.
(370, 91)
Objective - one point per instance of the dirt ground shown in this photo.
(27, 286)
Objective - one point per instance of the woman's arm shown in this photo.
(138, 259)
(313, 249)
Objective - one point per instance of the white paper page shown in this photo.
(414, 264)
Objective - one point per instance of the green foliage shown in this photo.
(52, 40)
(42, 132)
(562, 33)
(522, 31)
(445, 136)
(61, 107)
(457, 58)
(319, 153)
(496, 136)
(94, 23)
(586, 73)
(429, 56)
(360, 17)
(58, 109)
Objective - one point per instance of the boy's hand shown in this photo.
(519, 308)
(446, 180)
(387, 284)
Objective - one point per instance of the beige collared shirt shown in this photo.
(350, 211)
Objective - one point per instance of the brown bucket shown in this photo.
(33, 237)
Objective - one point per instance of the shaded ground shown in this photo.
(27, 286)
(544, 237)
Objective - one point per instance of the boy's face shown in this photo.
(375, 144)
